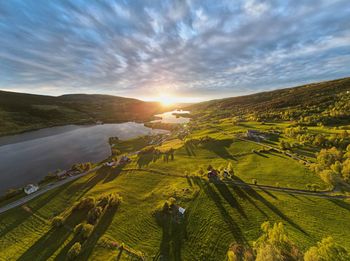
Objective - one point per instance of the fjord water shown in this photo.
(170, 117)
(29, 157)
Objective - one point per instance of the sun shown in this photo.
(166, 100)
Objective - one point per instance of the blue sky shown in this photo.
(146, 49)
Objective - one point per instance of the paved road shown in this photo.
(57, 184)
(44, 189)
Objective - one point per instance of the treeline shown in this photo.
(90, 211)
(333, 166)
(304, 137)
(275, 244)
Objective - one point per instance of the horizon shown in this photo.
(182, 100)
(185, 51)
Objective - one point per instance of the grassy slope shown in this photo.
(323, 94)
(218, 215)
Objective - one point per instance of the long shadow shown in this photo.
(244, 196)
(268, 193)
(83, 188)
(63, 253)
(43, 248)
(44, 199)
(219, 147)
(98, 231)
(250, 191)
(260, 154)
(120, 254)
(340, 203)
(227, 195)
(113, 174)
(190, 149)
(19, 220)
(40, 202)
(189, 181)
(234, 228)
(146, 158)
(173, 234)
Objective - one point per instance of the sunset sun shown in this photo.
(166, 100)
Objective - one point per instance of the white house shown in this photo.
(182, 210)
(31, 188)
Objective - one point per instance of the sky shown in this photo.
(191, 50)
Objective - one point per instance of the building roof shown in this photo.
(182, 210)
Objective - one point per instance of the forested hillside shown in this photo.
(325, 102)
(20, 112)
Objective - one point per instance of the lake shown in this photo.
(169, 117)
(29, 157)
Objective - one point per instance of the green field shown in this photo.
(305, 146)
(217, 213)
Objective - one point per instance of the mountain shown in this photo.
(296, 102)
(20, 112)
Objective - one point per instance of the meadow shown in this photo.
(217, 214)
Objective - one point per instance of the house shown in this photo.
(256, 135)
(30, 188)
(212, 174)
(61, 174)
(182, 211)
(124, 160)
(110, 164)
(226, 174)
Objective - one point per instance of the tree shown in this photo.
(57, 221)
(274, 244)
(329, 177)
(74, 251)
(327, 250)
(230, 168)
(94, 214)
(327, 157)
(345, 173)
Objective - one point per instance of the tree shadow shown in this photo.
(63, 253)
(43, 248)
(98, 231)
(227, 195)
(40, 202)
(17, 221)
(340, 203)
(251, 192)
(260, 154)
(113, 174)
(210, 192)
(119, 256)
(173, 234)
(145, 159)
(244, 196)
(189, 181)
(268, 192)
(190, 149)
(83, 188)
(219, 147)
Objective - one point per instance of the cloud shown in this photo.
(198, 48)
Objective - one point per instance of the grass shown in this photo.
(217, 214)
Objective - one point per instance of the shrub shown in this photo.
(86, 203)
(166, 208)
(57, 221)
(83, 230)
(94, 214)
(74, 251)
(114, 200)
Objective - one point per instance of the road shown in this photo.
(57, 184)
(43, 190)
